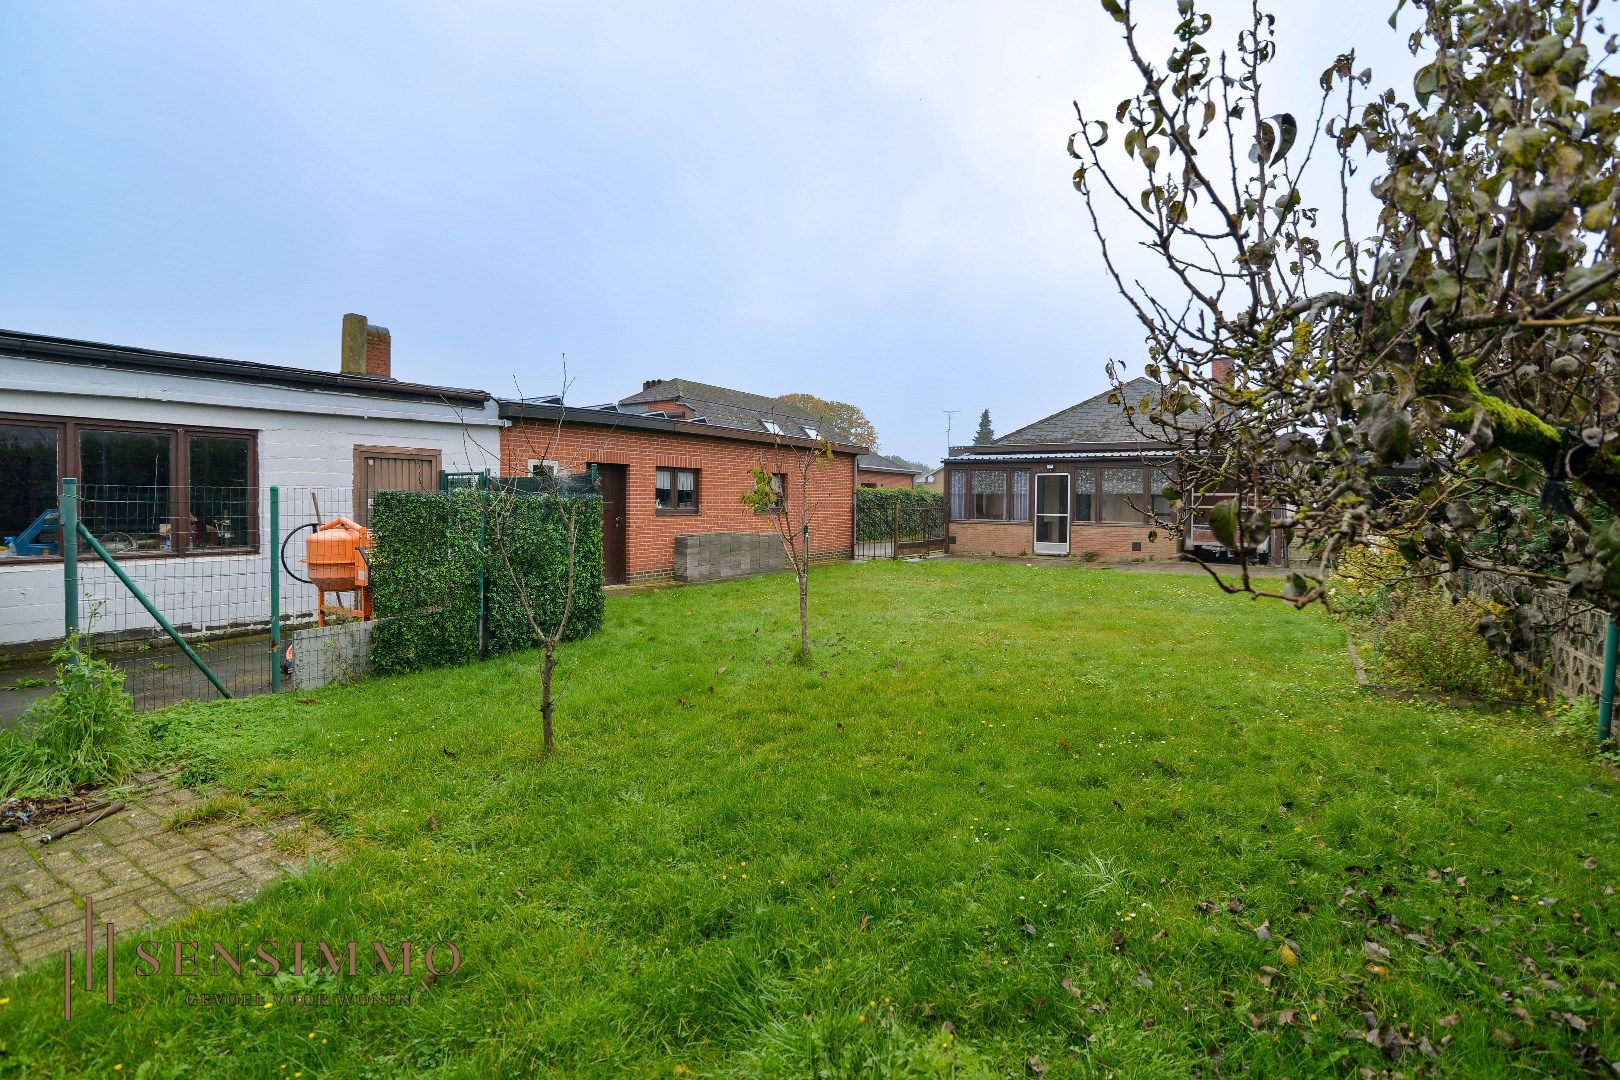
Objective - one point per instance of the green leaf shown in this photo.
(1113, 8)
(1223, 522)
(1442, 289)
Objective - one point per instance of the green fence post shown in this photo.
(483, 557)
(151, 609)
(1611, 651)
(275, 589)
(68, 519)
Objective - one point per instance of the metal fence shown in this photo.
(897, 530)
(208, 571)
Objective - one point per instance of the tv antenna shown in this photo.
(948, 414)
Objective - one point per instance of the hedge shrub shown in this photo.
(921, 512)
(425, 564)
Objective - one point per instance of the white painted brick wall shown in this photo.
(306, 440)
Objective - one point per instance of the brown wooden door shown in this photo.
(612, 481)
(391, 468)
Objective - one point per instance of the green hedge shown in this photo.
(425, 560)
(920, 511)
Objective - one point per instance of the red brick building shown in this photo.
(1080, 482)
(675, 460)
(877, 471)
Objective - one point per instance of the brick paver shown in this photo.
(138, 872)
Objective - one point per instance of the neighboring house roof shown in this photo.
(1094, 420)
(71, 351)
(881, 463)
(726, 407)
(612, 416)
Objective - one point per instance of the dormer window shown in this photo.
(811, 431)
(771, 426)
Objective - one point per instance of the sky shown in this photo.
(870, 202)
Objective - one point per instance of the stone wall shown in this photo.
(719, 555)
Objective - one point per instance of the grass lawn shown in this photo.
(1113, 821)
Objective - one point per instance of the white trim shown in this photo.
(1035, 513)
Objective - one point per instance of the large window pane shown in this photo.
(1020, 495)
(219, 492)
(1122, 495)
(1161, 479)
(125, 476)
(959, 496)
(28, 457)
(685, 489)
(989, 495)
(1085, 493)
(664, 490)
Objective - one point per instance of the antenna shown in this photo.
(948, 414)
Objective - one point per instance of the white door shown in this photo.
(1052, 513)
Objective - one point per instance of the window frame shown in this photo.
(68, 463)
(1008, 499)
(674, 488)
(779, 482)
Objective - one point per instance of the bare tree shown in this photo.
(518, 549)
(791, 515)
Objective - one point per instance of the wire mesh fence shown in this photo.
(206, 571)
(178, 588)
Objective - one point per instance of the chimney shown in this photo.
(1220, 370)
(648, 384)
(367, 349)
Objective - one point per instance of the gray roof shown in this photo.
(724, 407)
(882, 463)
(1094, 420)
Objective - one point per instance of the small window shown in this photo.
(811, 431)
(544, 468)
(771, 426)
(676, 490)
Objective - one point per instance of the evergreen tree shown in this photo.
(986, 433)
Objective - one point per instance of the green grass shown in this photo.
(1005, 812)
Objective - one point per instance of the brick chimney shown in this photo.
(1220, 370)
(367, 349)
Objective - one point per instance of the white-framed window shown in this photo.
(771, 426)
(812, 431)
(546, 467)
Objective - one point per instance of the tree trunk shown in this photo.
(547, 662)
(804, 609)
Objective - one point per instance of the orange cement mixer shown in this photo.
(335, 557)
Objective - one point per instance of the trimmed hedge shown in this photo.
(921, 511)
(425, 564)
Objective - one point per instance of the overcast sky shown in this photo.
(866, 201)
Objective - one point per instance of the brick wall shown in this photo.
(885, 479)
(725, 474)
(1017, 538)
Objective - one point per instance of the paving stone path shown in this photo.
(138, 872)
